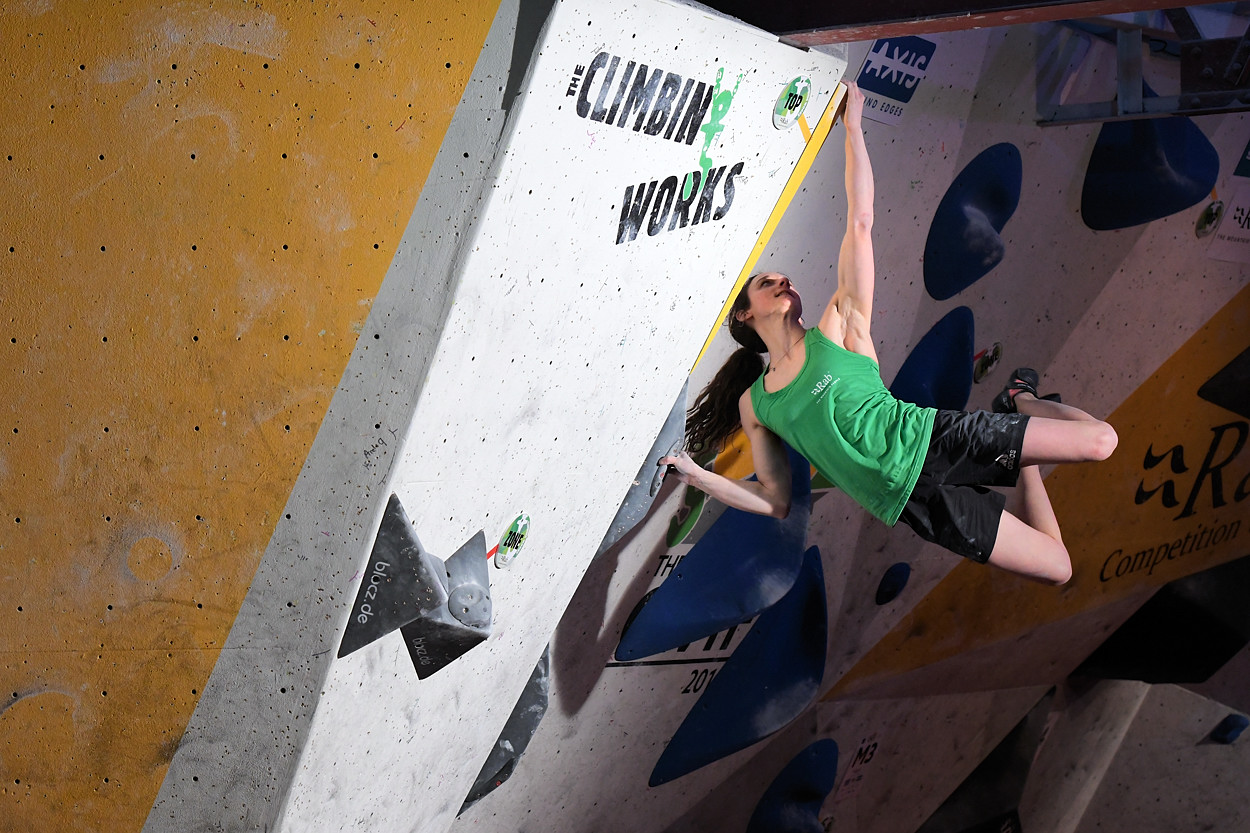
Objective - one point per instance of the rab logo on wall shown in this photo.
(655, 102)
(1215, 483)
(892, 70)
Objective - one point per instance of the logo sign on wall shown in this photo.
(1231, 239)
(791, 103)
(891, 71)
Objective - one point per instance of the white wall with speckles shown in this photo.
(520, 357)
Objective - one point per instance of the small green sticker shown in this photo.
(791, 103)
(512, 541)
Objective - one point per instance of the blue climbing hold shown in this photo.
(742, 565)
(792, 802)
(769, 680)
(1146, 169)
(964, 241)
(938, 372)
(893, 582)
(1229, 729)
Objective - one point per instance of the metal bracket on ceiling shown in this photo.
(1214, 77)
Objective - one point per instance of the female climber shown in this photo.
(821, 391)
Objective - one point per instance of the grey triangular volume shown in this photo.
(440, 636)
(468, 583)
(401, 581)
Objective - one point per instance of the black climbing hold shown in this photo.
(647, 482)
(1230, 387)
(517, 733)
(1183, 634)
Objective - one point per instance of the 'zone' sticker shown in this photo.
(512, 541)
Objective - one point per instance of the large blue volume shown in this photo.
(964, 241)
(771, 678)
(1146, 169)
(792, 802)
(742, 565)
(938, 372)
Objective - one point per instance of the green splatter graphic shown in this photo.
(686, 516)
(721, 100)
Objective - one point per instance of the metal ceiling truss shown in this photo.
(1214, 72)
(1214, 76)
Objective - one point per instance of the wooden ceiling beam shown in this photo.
(819, 22)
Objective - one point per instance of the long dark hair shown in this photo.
(714, 415)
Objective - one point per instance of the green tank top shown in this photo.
(839, 415)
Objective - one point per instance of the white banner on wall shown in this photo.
(891, 71)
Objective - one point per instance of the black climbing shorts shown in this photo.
(952, 504)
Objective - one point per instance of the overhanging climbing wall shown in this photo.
(934, 666)
(609, 169)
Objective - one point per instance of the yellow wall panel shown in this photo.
(201, 202)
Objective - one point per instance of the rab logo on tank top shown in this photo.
(822, 387)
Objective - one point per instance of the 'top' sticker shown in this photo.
(791, 103)
(512, 541)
